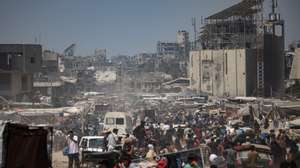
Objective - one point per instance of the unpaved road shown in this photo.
(59, 160)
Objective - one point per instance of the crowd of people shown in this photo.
(152, 141)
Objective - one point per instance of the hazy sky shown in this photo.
(121, 26)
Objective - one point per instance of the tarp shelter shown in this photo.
(25, 146)
(295, 124)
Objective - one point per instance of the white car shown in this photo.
(91, 144)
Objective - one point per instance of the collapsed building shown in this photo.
(77, 64)
(49, 81)
(242, 52)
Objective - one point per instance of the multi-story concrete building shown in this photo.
(182, 38)
(143, 58)
(18, 63)
(183, 42)
(100, 55)
(179, 49)
(176, 53)
(76, 64)
(144, 62)
(241, 55)
(168, 49)
(52, 61)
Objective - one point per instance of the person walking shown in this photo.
(73, 152)
(112, 140)
(190, 139)
(140, 133)
(230, 156)
(252, 157)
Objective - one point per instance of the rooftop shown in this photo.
(244, 8)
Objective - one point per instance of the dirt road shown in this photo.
(58, 160)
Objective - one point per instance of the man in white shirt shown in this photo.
(73, 153)
(112, 140)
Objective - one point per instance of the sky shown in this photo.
(124, 27)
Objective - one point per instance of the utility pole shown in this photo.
(195, 32)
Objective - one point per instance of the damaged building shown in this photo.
(242, 52)
(18, 63)
(173, 57)
(77, 64)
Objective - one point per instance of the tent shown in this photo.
(25, 146)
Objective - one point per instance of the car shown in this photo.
(264, 152)
(93, 153)
(90, 144)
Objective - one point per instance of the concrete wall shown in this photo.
(5, 83)
(235, 77)
(295, 71)
(16, 84)
(223, 72)
(15, 88)
(194, 70)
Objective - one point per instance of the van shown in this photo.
(120, 120)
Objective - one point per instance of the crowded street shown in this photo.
(150, 84)
(212, 134)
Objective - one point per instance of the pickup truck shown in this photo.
(93, 154)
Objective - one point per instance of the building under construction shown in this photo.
(242, 52)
